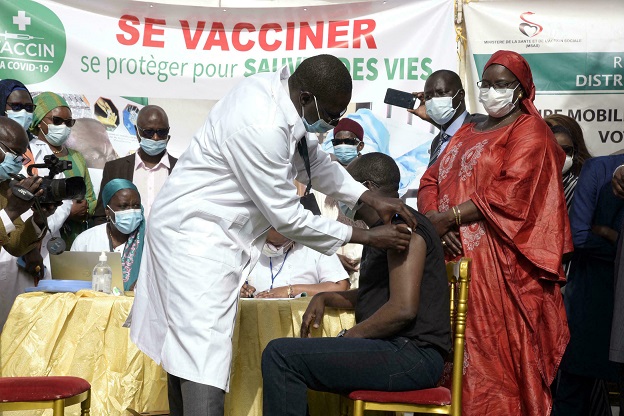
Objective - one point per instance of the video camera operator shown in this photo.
(16, 236)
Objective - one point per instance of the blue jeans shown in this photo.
(340, 365)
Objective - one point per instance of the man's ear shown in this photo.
(305, 98)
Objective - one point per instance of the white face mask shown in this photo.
(440, 109)
(57, 135)
(569, 161)
(270, 250)
(497, 104)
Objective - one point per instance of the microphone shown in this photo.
(56, 245)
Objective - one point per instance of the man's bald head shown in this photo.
(449, 78)
(13, 135)
(152, 113)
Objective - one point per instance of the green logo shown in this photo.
(32, 41)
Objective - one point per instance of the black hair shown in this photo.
(378, 168)
(325, 76)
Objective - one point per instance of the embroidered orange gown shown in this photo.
(517, 330)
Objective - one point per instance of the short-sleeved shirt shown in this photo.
(431, 327)
(302, 266)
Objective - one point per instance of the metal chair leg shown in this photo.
(85, 406)
(58, 408)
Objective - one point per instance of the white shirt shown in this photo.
(301, 266)
(209, 223)
(452, 129)
(95, 239)
(149, 181)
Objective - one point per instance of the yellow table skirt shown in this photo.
(81, 335)
(259, 321)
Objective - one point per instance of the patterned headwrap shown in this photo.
(131, 256)
(45, 102)
(7, 86)
(518, 66)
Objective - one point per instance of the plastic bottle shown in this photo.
(102, 275)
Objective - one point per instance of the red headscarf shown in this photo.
(518, 66)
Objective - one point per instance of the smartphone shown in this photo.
(400, 98)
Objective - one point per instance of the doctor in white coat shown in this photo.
(209, 222)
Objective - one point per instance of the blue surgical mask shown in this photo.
(440, 109)
(10, 165)
(345, 153)
(319, 126)
(153, 147)
(127, 221)
(348, 212)
(57, 135)
(23, 117)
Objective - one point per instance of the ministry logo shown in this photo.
(528, 28)
(32, 41)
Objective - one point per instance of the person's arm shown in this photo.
(332, 179)
(90, 195)
(259, 158)
(617, 182)
(313, 315)
(310, 289)
(406, 273)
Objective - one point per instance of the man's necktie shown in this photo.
(443, 139)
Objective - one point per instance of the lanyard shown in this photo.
(273, 276)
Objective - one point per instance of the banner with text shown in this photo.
(143, 49)
(120, 48)
(576, 52)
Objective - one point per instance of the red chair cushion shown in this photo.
(34, 389)
(439, 396)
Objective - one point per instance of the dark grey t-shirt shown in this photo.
(431, 326)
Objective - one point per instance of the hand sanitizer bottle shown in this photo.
(102, 275)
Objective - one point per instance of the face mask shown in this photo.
(348, 212)
(23, 117)
(127, 221)
(153, 147)
(440, 109)
(10, 165)
(497, 104)
(270, 250)
(345, 153)
(319, 126)
(567, 164)
(57, 135)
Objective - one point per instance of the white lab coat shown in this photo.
(210, 219)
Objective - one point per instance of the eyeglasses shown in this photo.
(353, 142)
(19, 158)
(333, 120)
(149, 133)
(499, 86)
(29, 107)
(57, 121)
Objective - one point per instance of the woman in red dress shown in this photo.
(496, 195)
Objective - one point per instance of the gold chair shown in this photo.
(56, 393)
(438, 400)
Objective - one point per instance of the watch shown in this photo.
(341, 333)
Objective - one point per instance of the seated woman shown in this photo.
(286, 269)
(123, 231)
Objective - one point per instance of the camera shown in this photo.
(54, 190)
